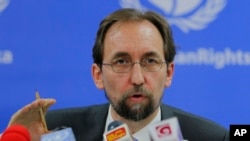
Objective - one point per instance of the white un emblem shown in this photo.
(3, 4)
(185, 14)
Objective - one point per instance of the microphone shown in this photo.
(114, 124)
(118, 131)
(166, 130)
(16, 133)
(65, 134)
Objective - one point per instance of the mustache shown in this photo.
(137, 89)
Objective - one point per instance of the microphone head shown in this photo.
(166, 130)
(114, 124)
(65, 134)
(16, 133)
(118, 131)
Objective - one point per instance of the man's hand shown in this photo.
(29, 117)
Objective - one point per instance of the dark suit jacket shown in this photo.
(88, 123)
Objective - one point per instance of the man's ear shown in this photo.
(97, 76)
(170, 73)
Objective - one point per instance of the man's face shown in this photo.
(136, 94)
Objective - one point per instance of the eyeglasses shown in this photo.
(147, 66)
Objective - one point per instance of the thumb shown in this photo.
(48, 103)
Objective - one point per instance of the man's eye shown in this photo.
(150, 61)
(121, 61)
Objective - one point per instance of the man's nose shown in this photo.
(137, 76)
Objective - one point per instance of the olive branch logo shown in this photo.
(197, 21)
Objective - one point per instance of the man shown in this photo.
(133, 63)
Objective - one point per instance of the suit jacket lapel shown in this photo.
(99, 120)
(166, 112)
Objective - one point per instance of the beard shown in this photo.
(134, 111)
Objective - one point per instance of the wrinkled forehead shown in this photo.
(134, 38)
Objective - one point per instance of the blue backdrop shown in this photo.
(46, 45)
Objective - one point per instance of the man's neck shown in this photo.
(134, 126)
